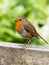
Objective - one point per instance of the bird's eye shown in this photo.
(20, 19)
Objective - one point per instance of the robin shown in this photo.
(26, 29)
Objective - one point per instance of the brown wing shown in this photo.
(30, 29)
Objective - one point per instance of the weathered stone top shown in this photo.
(19, 54)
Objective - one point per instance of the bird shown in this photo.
(26, 29)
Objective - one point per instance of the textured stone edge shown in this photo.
(21, 46)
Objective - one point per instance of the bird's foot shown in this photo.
(26, 46)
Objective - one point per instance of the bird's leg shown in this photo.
(27, 41)
(26, 45)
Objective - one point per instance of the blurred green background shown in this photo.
(36, 11)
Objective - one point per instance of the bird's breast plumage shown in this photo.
(18, 25)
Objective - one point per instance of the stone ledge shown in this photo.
(16, 54)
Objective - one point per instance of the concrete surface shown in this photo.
(18, 54)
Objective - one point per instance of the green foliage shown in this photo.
(34, 10)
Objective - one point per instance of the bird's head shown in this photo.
(19, 22)
(22, 19)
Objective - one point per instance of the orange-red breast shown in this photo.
(26, 29)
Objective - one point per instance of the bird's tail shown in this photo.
(42, 38)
